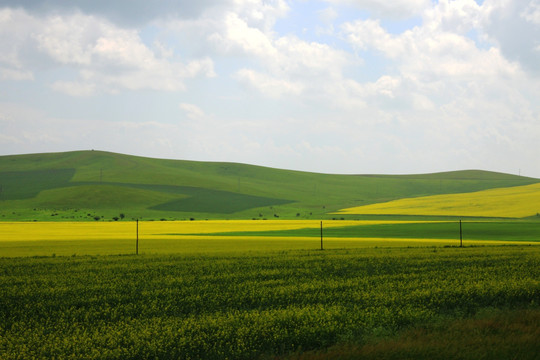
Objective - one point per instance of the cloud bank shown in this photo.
(329, 86)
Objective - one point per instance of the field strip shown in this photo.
(175, 236)
(316, 240)
(31, 231)
(215, 245)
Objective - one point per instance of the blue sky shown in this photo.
(335, 86)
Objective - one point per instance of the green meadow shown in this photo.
(85, 185)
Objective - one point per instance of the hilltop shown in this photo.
(89, 185)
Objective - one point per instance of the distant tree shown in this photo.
(122, 216)
(115, 218)
(96, 218)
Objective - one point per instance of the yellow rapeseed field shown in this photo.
(123, 230)
(186, 237)
(515, 202)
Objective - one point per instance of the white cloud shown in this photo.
(286, 64)
(192, 111)
(384, 8)
(385, 85)
(129, 13)
(429, 52)
(514, 27)
(261, 14)
(107, 58)
(237, 35)
(14, 28)
(307, 59)
(532, 12)
(14, 74)
(328, 15)
(267, 85)
(366, 34)
(68, 40)
(456, 16)
(73, 88)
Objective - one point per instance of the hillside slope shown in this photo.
(87, 185)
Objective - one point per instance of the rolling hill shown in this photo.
(96, 185)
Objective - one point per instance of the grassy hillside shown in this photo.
(85, 185)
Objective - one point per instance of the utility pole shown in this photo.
(321, 238)
(460, 235)
(137, 241)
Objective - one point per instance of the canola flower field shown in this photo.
(233, 236)
(511, 202)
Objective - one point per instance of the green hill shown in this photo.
(88, 185)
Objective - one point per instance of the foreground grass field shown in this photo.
(490, 334)
(263, 303)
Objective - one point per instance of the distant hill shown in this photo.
(90, 185)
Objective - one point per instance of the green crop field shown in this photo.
(266, 304)
(471, 230)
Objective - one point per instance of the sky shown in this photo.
(333, 86)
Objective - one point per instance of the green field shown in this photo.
(89, 185)
(264, 304)
(471, 230)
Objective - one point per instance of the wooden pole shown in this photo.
(137, 241)
(321, 238)
(460, 235)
